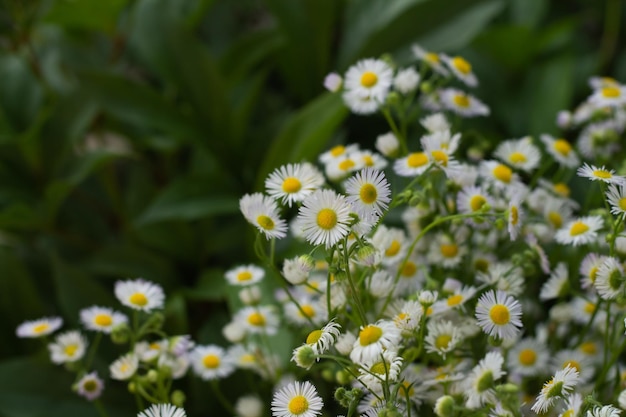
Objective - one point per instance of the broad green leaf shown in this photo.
(86, 14)
(21, 94)
(187, 199)
(498, 42)
(305, 134)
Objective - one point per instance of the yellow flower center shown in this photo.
(517, 158)
(454, 300)
(346, 164)
(499, 314)
(610, 92)
(256, 319)
(380, 368)
(442, 341)
(527, 357)
(409, 269)
(138, 299)
(514, 215)
(476, 202)
(90, 385)
(503, 173)
(337, 150)
(370, 334)
(602, 173)
(449, 251)
(368, 193)
(393, 248)
(368, 160)
(406, 388)
(369, 79)
(561, 188)
(211, 361)
(562, 146)
(555, 218)
(70, 350)
(622, 203)
(441, 157)
(578, 228)
(589, 348)
(307, 310)
(291, 185)
(461, 100)
(417, 159)
(103, 320)
(326, 218)
(461, 65)
(569, 413)
(244, 276)
(432, 57)
(313, 337)
(40, 328)
(589, 308)
(298, 405)
(572, 364)
(593, 272)
(265, 222)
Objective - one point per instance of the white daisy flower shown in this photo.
(600, 174)
(599, 140)
(211, 362)
(369, 159)
(124, 367)
(596, 82)
(90, 386)
(528, 357)
(497, 174)
(140, 294)
(244, 275)
(589, 269)
(441, 140)
(455, 300)
(387, 144)
(557, 285)
(296, 270)
(480, 384)
(101, 319)
(325, 217)
(436, 122)
(443, 337)
(40, 327)
(573, 406)
(447, 250)
(384, 368)
(580, 231)
(472, 199)
(291, 183)
(515, 216)
(499, 314)
(321, 340)
(609, 280)
(360, 104)
(392, 242)
(162, 410)
(408, 318)
(574, 359)
(369, 80)
(461, 69)
(259, 319)
(616, 196)
(412, 165)
(608, 96)
(519, 153)
(249, 406)
(432, 59)
(406, 80)
(262, 212)
(369, 193)
(604, 411)
(461, 103)
(561, 150)
(298, 399)
(68, 347)
(374, 339)
(341, 167)
(337, 152)
(559, 386)
(310, 310)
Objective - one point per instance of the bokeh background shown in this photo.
(129, 129)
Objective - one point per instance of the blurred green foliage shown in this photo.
(129, 129)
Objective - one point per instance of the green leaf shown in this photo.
(187, 199)
(21, 94)
(86, 14)
(211, 286)
(305, 134)
(20, 216)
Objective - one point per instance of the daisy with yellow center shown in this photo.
(163, 410)
(616, 196)
(574, 359)
(610, 281)
(124, 367)
(557, 285)
(461, 69)
(368, 78)
(90, 386)
(448, 250)
(386, 367)
(573, 405)
(442, 337)
(412, 165)
(480, 384)
(211, 362)
(373, 339)
(559, 386)
(262, 212)
(519, 153)
(245, 275)
(499, 175)
(603, 174)
(325, 217)
(258, 319)
(140, 294)
(499, 314)
(561, 150)
(528, 357)
(515, 215)
(608, 95)
(369, 193)
(461, 103)
(291, 183)
(432, 59)
(40, 327)
(589, 268)
(580, 231)
(298, 399)
(311, 310)
(101, 319)
(68, 347)
(473, 199)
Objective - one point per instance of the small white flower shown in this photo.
(519, 153)
(245, 275)
(325, 216)
(600, 174)
(557, 387)
(333, 82)
(68, 347)
(387, 144)
(262, 212)
(101, 319)
(211, 362)
(369, 193)
(461, 69)
(124, 367)
(580, 231)
(292, 183)
(461, 103)
(90, 386)
(499, 314)
(298, 399)
(140, 294)
(406, 80)
(40, 327)
(162, 410)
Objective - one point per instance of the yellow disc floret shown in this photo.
(368, 193)
(291, 185)
(369, 79)
(370, 334)
(499, 314)
(298, 405)
(326, 218)
(138, 299)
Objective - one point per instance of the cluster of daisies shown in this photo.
(440, 282)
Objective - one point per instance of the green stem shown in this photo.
(353, 290)
(395, 130)
(101, 410)
(92, 351)
(220, 397)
